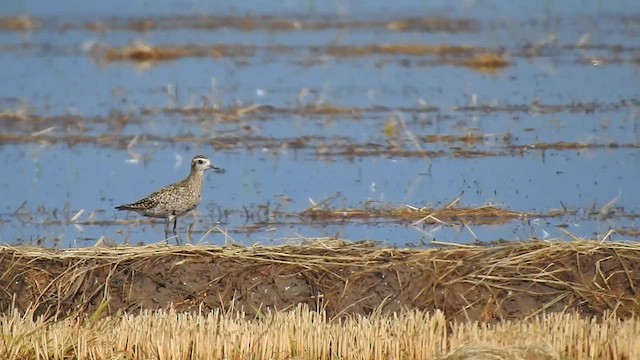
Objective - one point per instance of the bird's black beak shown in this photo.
(218, 169)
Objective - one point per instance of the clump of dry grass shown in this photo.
(21, 23)
(479, 215)
(486, 214)
(141, 52)
(467, 139)
(304, 334)
(433, 24)
(487, 62)
(533, 351)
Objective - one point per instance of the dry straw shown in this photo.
(304, 334)
(468, 283)
(450, 213)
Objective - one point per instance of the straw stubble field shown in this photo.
(327, 299)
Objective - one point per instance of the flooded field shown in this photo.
(454, 122)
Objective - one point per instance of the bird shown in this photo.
(176, 199)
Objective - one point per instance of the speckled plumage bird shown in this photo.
(176, 199)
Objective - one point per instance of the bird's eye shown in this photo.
(200, 162)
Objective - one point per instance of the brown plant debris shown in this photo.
(628, 232)
(487, 62)
(536, 107)
(21, 23)
(321, 146)
(479, 215)
(261, 23)
(565, 145)
(509, 281)
(265, 112)
(433, 24)
(141, 52)
(400, 49)
(468, 139)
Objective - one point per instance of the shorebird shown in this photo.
(176, 199)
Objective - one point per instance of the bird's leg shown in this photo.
(170, 219)
(167, 221)
(167, 224)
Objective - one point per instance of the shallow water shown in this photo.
(294, 122)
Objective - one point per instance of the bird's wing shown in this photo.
(168, 194)
(171, 193)
(143, 204)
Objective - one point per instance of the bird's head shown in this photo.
(202, 163)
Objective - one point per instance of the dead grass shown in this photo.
(304, 334)
(271, 23)
(467, 139)
(539, 108)
(566, 145)
(321, 146)
(628, 232)
(433, 24)
(141, 52)
(488, 284)
(400, 49)
(21, 23)
(486, 214)
(487, 62)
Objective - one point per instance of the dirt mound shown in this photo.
(509, 281)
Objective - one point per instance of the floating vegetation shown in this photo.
(480, 215)
(261, 112)
(628, 232)
(21, 23)
(321, 146)
(399, 49)
(468, 139)
(248, 23)
(433, 24)
(565, 145)
(452, 212)
(487, 62)
(142, 52)
(476, 58)
(536, 107)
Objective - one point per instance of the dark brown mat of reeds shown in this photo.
(509, 281)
